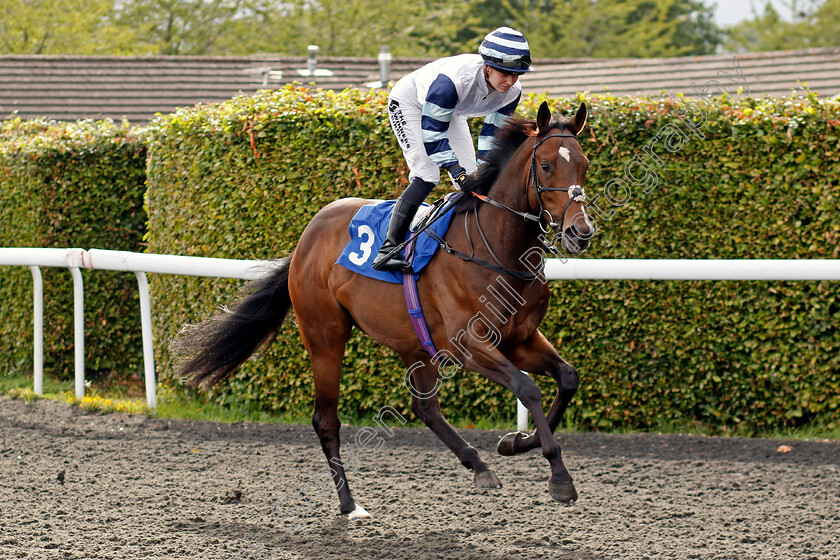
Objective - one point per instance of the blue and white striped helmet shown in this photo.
(506, 49)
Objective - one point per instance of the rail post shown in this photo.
(38, 329)
(148, 346)
(79, 328)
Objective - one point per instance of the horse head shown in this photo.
(557, 172)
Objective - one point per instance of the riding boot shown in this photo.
(397, 228)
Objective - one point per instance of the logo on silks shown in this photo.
(398, 123)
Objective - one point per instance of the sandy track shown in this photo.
(82, 485)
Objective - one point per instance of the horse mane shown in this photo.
(507, 140)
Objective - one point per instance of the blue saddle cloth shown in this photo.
(368, 229)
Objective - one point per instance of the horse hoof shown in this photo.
(563, 492)
(358, 513)
(507, 445)
(487, 479)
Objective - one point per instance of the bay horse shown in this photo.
(534, 173)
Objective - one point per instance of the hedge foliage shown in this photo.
(241, 179)
(71, 185)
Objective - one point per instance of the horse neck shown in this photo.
(511, 235)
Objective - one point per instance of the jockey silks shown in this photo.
(432, 106)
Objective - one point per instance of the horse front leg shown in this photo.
(539, 357)
(498, 368)
(423, 382)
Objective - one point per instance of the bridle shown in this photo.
(539, 189)
(576, 195)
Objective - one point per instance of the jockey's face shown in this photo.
(498, 80)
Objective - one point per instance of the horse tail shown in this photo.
(216, 347)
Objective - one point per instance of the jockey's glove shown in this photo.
(458, 174)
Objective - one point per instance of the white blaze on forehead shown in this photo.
(564, 153)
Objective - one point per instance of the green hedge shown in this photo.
(71, 185)
(241, 179)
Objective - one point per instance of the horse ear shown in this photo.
(580, 119)
(543, 117)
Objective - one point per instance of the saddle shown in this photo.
(369, 227)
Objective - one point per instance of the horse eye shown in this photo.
(546, 167)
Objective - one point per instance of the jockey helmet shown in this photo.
(507, 50)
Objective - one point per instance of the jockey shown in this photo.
(429, 109)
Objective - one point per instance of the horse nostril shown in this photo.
(583, 233)
(573, 241)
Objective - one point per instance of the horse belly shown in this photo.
(378, 308)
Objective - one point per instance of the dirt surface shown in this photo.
(84, 485)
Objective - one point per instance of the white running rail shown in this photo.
(555, 269)
(140, 264)
(693, 269)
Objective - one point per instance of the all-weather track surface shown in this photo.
(75, 485)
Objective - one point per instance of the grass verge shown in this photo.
(191, 405)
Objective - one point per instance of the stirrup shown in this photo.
(392, 264)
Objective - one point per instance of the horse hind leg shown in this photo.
(423, 385)
(330, 445)
(324, 337)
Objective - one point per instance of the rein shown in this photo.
(498, 267)
(537, 218)
(539, 189)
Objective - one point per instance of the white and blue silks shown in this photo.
(430, 115)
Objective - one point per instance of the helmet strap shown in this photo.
(486, 70)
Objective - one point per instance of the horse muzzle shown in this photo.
(575, 241)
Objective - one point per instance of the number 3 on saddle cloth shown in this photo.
(367, 232)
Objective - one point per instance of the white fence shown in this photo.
(140, 264)
(556, 269)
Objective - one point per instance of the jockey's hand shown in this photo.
(458, 174)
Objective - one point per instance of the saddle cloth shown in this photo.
(368, 229)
